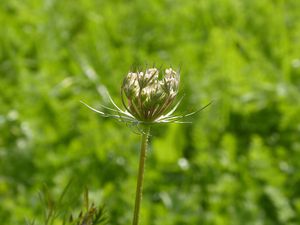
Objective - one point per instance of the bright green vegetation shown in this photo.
(238, 163)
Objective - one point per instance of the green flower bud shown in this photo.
(148, 99)
(147, 96)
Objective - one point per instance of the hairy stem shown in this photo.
(139, 186)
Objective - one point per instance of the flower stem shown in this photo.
(139, 186)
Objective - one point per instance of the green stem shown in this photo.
(139, 186)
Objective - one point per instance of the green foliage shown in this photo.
(236, 164)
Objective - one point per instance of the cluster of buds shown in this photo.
(148, 98)
(147, 95)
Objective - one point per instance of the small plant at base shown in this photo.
(56, 212)
(148, 99)
(91, 216)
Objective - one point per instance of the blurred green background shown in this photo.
(238, 163)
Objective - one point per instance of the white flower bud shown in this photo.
(148, 97)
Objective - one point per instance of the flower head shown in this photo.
(148, 98)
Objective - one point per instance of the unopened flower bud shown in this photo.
(147, 96)
(148, 99)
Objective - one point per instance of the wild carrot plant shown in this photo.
(148, 98)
